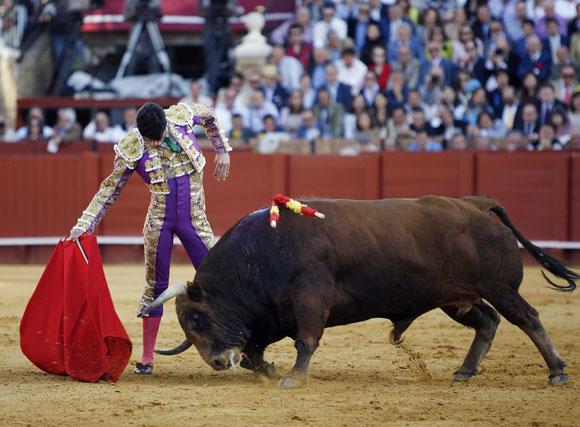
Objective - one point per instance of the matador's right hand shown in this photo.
(75, 233)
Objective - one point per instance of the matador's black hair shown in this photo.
(151, 121)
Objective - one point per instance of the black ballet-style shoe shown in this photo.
(143, 369)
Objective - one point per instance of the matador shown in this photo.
(164, 152)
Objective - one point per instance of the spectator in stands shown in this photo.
(414, 100)
(477, 105)
(496, 32)
(419, 121)
(450, 100)
(562, 59)
(238, 130)
(258, 110)
(530, 88)
(254, 83)
(289, 68)
(374, 40)
(484, 143)
(297, 47)
(465, 34)
(329, 115)
(438, 34)
(547, 103)
(453, 28)
(367, 130)
(99, 129)
(13, 18)
(195, 96)
(458, 142)
(488, 126)
(37, 113)
(358, 26)
(535, 60)
(329, 22)
(574, 142)
(424, 143)
(66, 129)
(508, 109)
(444, 126)
(351, 70)
(33, 130)
(405, 37)
(482, 24)
(398, 127)
(541, 24)
(574, 114)
(503, 58)
(270, 138)
(528, 124)
(513, 17)
(390, 24)
(559, 122)
(398, 89)
(334, 46)
(308, 129)
(495, 97)
(564, 86)
(279, 35)
(291, 117)
(371, 88)
(380, 66)
(358, 104)
(465, 84)
(409, 66)
(308, 92)
(225, 111)
(515, 141)
(381, 111)
(434, 49)
(316, 68)
(433, 86)
(339, 92)
(546, 140)
(345, 9)
(528, 29)
(555, 40)
(129, 122)
(274, 92)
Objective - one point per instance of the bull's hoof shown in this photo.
(291, 382)
(557, 379)
(461, 377)
(270, 371)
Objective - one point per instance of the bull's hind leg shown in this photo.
(516, 310)
(484, 320)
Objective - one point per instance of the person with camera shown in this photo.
(164, 152)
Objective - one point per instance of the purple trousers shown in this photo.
(181, 213)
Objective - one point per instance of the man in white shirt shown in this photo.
(99, 130)
(225, 111)
(329, 22)
(258, 109)
(289, 68)
(351, 70)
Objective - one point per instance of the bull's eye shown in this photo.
(195, 320)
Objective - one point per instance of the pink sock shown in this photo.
(150, 328)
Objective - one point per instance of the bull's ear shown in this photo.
(194, 291)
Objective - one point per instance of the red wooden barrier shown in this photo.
(340, 177)
(575, 198)
(417, 174)
(533, 187)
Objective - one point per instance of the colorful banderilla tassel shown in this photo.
(291, 204)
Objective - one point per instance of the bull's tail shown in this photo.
(551, 263)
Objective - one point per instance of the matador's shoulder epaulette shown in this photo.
(131, 146)
(180, 114)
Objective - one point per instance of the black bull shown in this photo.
(394, 259)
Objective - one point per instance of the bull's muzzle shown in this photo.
(227, 359)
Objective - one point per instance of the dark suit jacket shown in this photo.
(519, 125)
(335, 122)
(343, 95)
(385, 26)
(280, 97)
(447, 66)
(558, 106)
(540, 68)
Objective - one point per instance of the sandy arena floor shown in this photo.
(356, 376)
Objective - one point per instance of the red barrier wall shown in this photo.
(334, 177)
(417, 174)
(533, 187)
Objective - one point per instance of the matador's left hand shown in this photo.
(222, 166)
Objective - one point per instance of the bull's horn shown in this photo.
(179, 349)
(171, 292)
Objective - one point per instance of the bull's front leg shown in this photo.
(256, 363)
(311, 311)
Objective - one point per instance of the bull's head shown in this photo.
(219, 343)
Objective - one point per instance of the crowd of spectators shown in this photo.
(423, 75)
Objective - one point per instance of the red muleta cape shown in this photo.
(70, 326)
